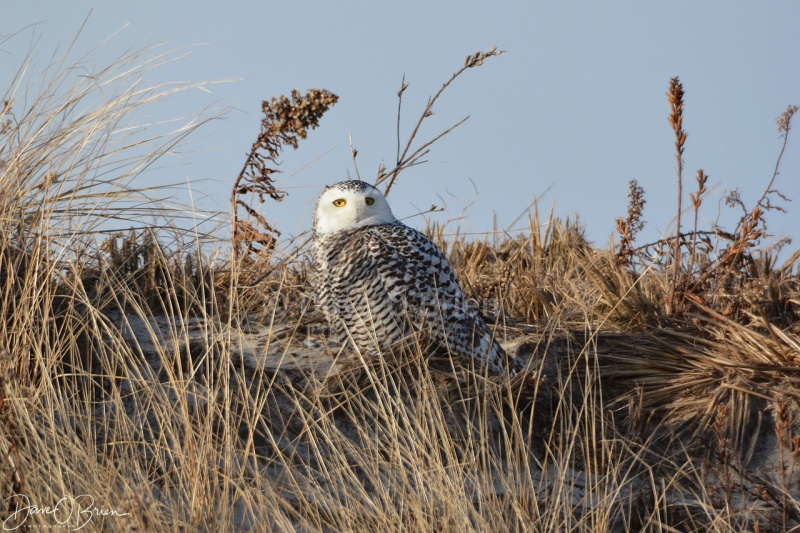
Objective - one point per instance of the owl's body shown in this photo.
(379, 281)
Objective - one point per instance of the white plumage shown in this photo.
(378, 280)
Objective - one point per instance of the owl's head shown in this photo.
(348, 205)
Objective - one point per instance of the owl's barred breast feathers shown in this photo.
(378, 280)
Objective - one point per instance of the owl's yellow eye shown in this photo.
(340, 202)
(369, 200)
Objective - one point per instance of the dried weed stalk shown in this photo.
(723, 451)
(783, 426)
(697, 201)
(675, 96)
(629, 226)
(285, 122)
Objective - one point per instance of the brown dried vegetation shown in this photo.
(285, 122)
(661, 391)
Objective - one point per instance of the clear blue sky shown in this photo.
(570, 114)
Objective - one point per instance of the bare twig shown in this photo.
(405, 160)
(354, 154)
(784, 122)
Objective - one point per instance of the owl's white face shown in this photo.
(350, 204)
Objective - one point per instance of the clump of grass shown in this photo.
(70, 151)
(70, 148)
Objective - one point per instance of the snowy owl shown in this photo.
(378, 281)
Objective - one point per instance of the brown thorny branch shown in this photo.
(285, 122)
(404, 159)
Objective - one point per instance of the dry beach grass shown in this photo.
(178, 393)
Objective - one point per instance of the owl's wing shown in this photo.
(368, 290)
(398, 280)
(423, 272)
(434, 292)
